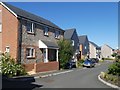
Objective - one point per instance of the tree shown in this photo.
(65, 52)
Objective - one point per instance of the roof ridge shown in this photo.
(26, 14)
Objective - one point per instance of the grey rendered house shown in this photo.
(95, 50)
(83, 46)
(106, 51)
(32, 40)
(71, 34)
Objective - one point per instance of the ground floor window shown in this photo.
(52, 55)
(30, 52)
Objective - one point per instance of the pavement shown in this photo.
(51, 73)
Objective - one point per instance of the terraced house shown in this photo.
(30, 39)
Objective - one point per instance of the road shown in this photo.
(79, 78)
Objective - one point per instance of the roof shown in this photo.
(82, 39)
(50, 44)
(69, 33)
(27, 15)
(97, 47)
(108, 46)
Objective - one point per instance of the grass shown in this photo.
(101, 61)
(113, 79)
(108, 59)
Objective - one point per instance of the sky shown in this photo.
(97, 20)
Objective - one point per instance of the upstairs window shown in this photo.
(0, 27)
(30, 27)
(7, 49)
(73, 43)
(30, 52)
(46, 29)
(57, 34)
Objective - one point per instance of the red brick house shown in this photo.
(30, 39)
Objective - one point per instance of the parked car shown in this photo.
(95, 59)
(89, 63)
(71, 64)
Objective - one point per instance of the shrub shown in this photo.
(114, 68)
(10, 68)
(65, 52)
(117, 57)
(80, 63)
(108, 59)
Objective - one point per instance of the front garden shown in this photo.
(9, 67)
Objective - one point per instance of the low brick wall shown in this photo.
(41, 67)
(29, 67)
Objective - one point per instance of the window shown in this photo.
(85, 47)
(0, 27)
(57, 34)
(73, 42)
(46, 31)
(30, 27)
(30, 52)
(7, 49)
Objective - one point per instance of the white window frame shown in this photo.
(30, 26)
(46, 29)
(32, 54)
(57, 34)
(7, 49)
(0, 27)
(73, 42)
(1, 22)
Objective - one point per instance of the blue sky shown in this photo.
(97, 20)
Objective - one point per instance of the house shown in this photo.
(117, 51)
(71, 34)
(106, 51)
(95, 50)
(83, 46)
(0, 30)
(30, 39)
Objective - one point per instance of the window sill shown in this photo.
(32, 33)
(46, 35)
(57, 38)
(31, 57)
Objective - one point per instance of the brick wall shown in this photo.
(9, 32)
(1, 28)
(29, 67)
(42, 67)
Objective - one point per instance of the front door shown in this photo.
(44, 54)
